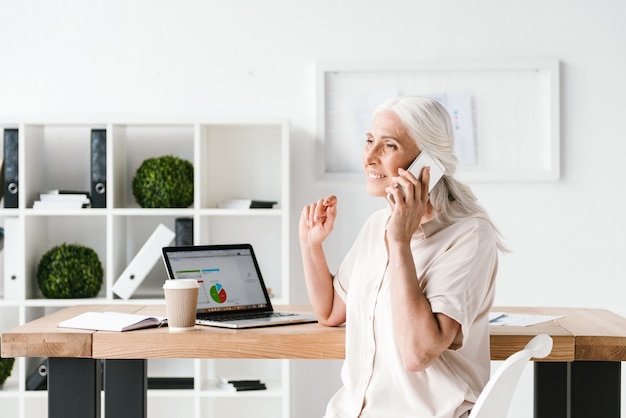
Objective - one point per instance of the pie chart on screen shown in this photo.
(218, 294)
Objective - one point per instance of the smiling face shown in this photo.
(387, 148)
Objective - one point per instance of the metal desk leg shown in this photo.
(595, 389)
(74, 386)
(581, 389)
(126, 388)
(550, 390)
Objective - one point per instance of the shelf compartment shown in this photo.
(9, 317)
(49, 150)
(132, 144)
(36, 406)
(268, 371)
(174, 370)
(11, 386)
(45, 232)
(234, 407)
(176, 405)
(9, 405)
(241, 162)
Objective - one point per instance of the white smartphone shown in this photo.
(424, 159)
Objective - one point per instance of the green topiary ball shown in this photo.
(70, 271)
(6, 366)
(164, 182)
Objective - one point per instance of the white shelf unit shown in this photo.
(232, 160)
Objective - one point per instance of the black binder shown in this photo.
(98, 168)
(11, 181)
(38, 379)
(184, 232)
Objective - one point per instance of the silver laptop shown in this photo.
(232, 293)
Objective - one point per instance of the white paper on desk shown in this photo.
(519, 320)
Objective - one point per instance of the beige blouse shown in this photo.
(456, 264)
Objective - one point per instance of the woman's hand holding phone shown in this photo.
(416, 168)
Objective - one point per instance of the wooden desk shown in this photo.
(580, 378)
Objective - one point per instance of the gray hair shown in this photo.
(428, 124)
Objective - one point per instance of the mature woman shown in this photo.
(416, 287)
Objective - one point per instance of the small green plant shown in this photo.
(164, 182)
(70, 271)
(6, 366)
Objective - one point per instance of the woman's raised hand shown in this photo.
(317, 220)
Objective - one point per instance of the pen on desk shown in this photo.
(496, 318)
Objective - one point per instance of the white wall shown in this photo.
(190, 60)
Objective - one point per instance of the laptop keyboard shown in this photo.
(242, 316)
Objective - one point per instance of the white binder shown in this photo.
(142, 263)
(14, 288)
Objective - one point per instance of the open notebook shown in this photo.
(232, 292)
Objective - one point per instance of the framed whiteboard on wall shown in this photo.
(513, 113)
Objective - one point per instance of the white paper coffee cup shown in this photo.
(181, 300)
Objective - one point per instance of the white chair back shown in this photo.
(495, 398)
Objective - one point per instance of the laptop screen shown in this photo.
(228, 276)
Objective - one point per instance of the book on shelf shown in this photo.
(63, 199)
(170, 382)
(247, 204)
(67, 192)
(113, 321)
(1, 178)
(240, 387)
(241, 383)
(184, 231)
(10, 168)
(98, 175)
(53, 204)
